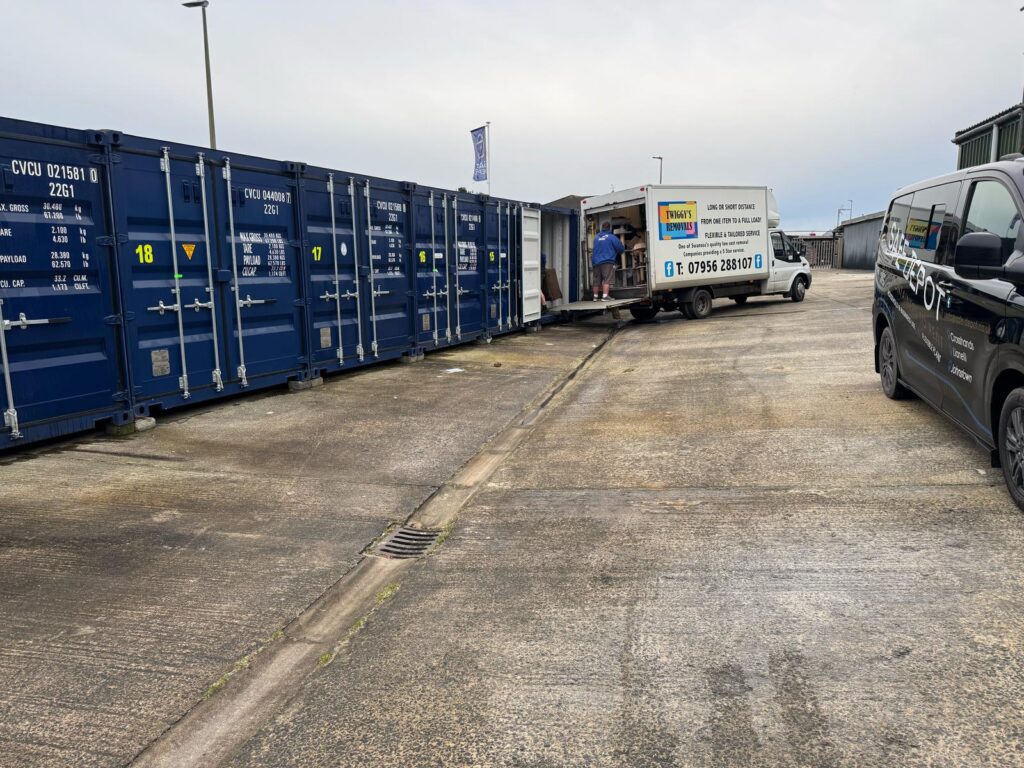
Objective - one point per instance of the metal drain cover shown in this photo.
(408, 542)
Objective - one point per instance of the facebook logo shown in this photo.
(670, 269)
(758, 260)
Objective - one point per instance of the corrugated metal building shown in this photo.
(987, 141)
(860, 241)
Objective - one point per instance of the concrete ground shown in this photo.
(135, 572)
(720, 545)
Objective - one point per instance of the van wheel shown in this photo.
(798, 291)
(888, 367)
(701, 303)
(1011, 445)
(686, 310)
(643, 313)
(740, 299)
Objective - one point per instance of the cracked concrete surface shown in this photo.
(723, 547)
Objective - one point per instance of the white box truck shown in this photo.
(685, 246)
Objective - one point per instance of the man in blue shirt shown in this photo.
(607, 248)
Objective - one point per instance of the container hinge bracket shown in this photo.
(296, 243)
(97, 159)
(108, 241)
(241, 375)
(373, 348)
(218, 380)
(113, 320)
(359, 351)
(183, 386)
(165, 164)
(11, 420)
(121, 396)
(299, 302)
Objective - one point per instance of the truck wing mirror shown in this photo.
(979, 256)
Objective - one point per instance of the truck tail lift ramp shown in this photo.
(596, 306)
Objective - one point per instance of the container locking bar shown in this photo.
(161, 307)
(336, 296)
(432, 293)
(373, 288)
(165, 166)
(497, 287)
(234, 271)
(218, 380)
(458, 288)
(10, 413)
(447, 274)
(355, 271)
(508, 251)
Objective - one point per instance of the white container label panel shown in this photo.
(702, 235)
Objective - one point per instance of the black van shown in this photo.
(949, 305)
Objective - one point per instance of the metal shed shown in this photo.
(991, 139)
(860, 240)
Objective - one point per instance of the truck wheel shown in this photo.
(798, 291)
(686, 310)
(1011, 445)
(701, 303)
(643, 313)
(888, 366)
(740, 299)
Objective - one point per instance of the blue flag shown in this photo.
(480, 153)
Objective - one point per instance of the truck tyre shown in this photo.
(686, 310)
(1011, 445)
(798, 291)
(740, 299)
(701, 303)
(888, 366)
(643, 313)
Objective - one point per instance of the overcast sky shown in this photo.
(823, 101)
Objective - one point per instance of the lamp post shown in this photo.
(209, 80)
(661, 164)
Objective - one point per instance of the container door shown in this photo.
(59, 346)
(388, 285)
(467, 271)
(259, 229)
(495, 263)
(336, 306)
(529, 264)
(433, 326)
(170, 275)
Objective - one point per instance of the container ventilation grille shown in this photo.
(408, 542)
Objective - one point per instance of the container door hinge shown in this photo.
(113, 320)
(301, 302)
(108, 241)
(121, 397)
(295, 243)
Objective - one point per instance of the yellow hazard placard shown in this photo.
(189, 249)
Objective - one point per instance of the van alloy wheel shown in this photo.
(888, 366)
(1015, 448)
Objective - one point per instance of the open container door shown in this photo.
(529, 264)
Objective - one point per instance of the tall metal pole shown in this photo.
(490, 163)
(209, 78)
(661, 165)
(209, 82)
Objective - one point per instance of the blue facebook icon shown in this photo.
(670, 269)
(758, 260)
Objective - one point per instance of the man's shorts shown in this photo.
(604, 274)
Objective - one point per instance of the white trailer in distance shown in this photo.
(686, 246)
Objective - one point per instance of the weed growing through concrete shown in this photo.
(387, 593)
(240, 665)
(382, 597)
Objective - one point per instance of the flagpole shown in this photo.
(490, 158)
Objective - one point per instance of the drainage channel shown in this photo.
(237, 705)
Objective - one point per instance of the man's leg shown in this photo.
(595, 282)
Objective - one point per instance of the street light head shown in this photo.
(197, 4)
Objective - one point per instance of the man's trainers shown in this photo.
(606, 297)
(596, 297)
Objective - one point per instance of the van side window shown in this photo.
(778, 247)
(926, 220)
(992, 209)
(895, 228)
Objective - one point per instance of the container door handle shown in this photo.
(161, 307)
(23, 322)
(10, 413)
(249, 301)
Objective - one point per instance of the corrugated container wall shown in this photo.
(138, 275)
(860, 242)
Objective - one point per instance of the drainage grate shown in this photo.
(408, 542)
